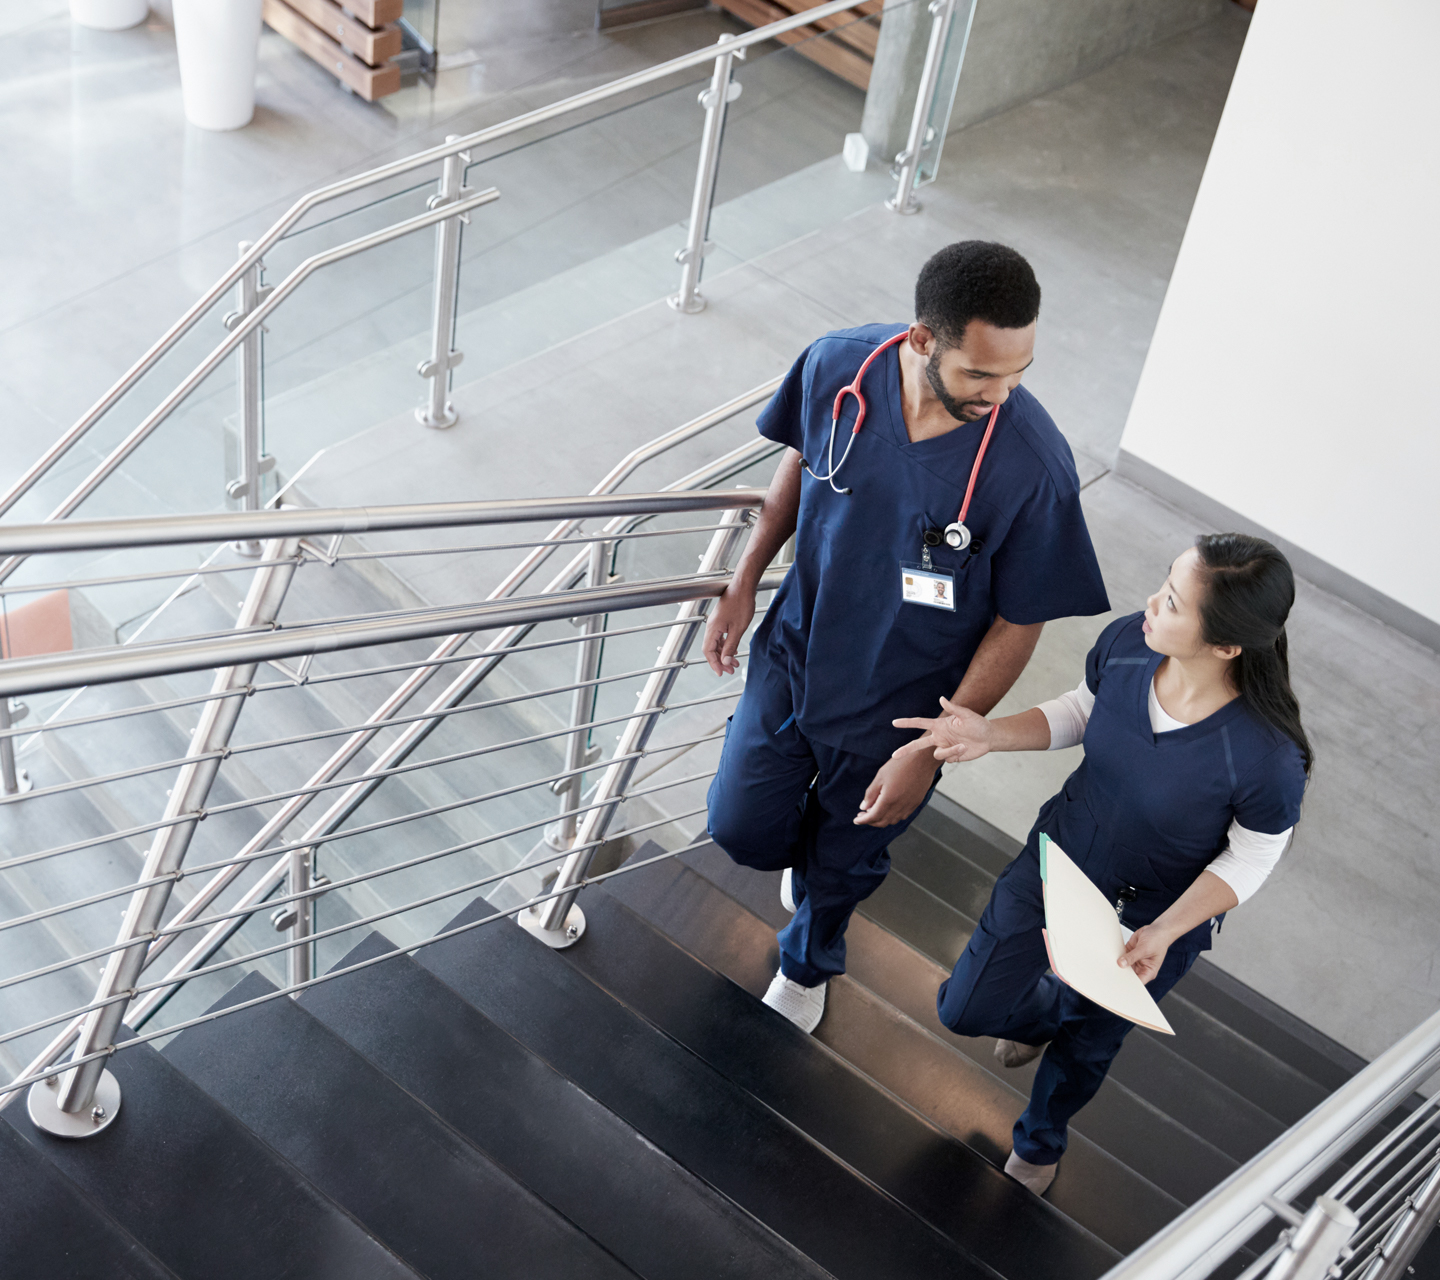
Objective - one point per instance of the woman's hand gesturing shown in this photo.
(959, 734)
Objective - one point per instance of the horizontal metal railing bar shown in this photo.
(349, 926)
(1376, 1227)
(309, 522)
(1210, 1228)
(197, 869)
(108, 666)
(248, 324)
(1427, 1156)
(205, 922)
(123, 713)
(23, 1082)
(165, 575)
(122, 775)
(122, 579)
(332, 785)
(1360, 1172)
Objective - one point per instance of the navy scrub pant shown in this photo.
(782, 800)
(1001, 986)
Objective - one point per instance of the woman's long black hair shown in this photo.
(1250, 590)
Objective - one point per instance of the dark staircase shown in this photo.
(627, 1107)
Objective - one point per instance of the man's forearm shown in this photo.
(997, 664)
(776, 522)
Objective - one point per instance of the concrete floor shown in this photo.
(1094, 183)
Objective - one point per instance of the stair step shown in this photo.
(53, 1231)
(903, 1049)
(1181, 1163)
(373, 1149)
(201, 1192)
(711, 1125)
(591, 1166)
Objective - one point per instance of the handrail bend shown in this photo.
(370, 177)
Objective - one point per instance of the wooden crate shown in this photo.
(354, 52)
(849, 53)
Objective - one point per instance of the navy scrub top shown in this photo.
(1152, 810)
(858, 657)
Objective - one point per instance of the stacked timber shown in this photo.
(849, 49)
(354, 44)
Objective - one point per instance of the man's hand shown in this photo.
(1145, 952)
(729, 618)
(957, 735)
(897, 790)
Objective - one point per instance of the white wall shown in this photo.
(1294, 375)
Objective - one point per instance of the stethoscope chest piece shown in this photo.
(957, 536)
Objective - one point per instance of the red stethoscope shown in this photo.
(956, 535)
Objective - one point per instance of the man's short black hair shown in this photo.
(975, 280)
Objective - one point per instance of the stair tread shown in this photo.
(819, 1092)
(1182, 1164)
(201, 1192)
(906, 1050)
(430, 1196)
(51, 1230)
(707, 1123)
(652, 1214)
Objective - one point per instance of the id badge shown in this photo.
(929, 587)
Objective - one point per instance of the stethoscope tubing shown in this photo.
(852, 388)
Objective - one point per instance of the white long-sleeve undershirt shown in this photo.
(1249, 856)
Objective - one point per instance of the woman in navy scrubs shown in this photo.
(1195, 766)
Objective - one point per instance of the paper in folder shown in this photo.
(1084, 939)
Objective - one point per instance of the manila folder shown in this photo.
(1084, 939)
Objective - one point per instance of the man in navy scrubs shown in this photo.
(879, 615)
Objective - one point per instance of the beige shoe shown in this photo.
(1034, 1177)
(804, 1006)
(1011, 1053)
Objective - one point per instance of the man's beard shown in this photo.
(960, 410)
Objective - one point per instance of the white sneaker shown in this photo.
(1036, 1177)
(1011, 1053)
(804, 1006)
(787, 890)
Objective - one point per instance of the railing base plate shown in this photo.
(43, 1103)
(566, 936)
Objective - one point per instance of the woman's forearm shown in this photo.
(1209, 896)
(1028, 731)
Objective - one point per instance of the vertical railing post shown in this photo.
(84, 1100)
(298, 882)
(438, 411)
(907, 163)
(559, 922)
(12, 779)
(245, 488)
(1316, 1243)
(722, 92)
(587, 667)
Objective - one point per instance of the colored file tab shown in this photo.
(1084, 939)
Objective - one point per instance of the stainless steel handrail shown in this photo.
(252, 321)
(106, 666)
(257, 250)
(303, 522)
(1215, 1226)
